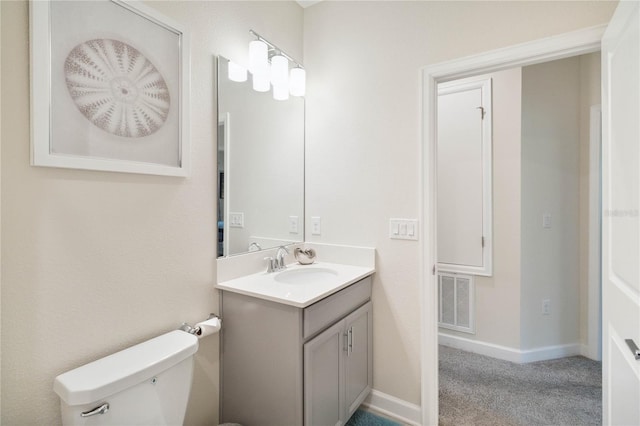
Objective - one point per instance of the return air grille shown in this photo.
(456, 302)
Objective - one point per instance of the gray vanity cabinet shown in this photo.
(338, 369)
(324, 378)
(359, 358)
(283, 365)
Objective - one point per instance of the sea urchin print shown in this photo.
(117, 88)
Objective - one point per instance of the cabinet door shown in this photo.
(324, 378)
(358, 357)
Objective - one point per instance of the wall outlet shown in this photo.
(546, 220)
(293, 224)
(316, 228)
(546, 307)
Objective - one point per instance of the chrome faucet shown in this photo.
(276, 263)
(280, 254)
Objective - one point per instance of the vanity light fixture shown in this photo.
(297, 81)
(261, 80)
(280, 77)
(258, 56)
(279, 70)
(269, 66)
(280, 93)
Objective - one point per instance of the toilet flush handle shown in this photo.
(98, 410)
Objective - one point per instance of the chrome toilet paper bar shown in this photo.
(197, 330)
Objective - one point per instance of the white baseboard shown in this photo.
(394, 408)
(482, 348)
(510, 354)
(550, 352)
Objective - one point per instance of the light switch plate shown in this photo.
(403, 229)
(236, 220)
(546, 220)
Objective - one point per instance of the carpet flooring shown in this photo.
(478, 390)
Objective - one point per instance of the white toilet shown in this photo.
(146, 384)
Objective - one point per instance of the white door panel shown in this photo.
(623, 406)
(460, 178)
(620, 220)
(463, 145)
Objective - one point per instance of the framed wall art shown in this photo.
(109, 88)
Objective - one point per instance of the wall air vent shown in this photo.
(456, 294)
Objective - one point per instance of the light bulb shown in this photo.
(236, 72)
(258, 56)
(280, 71)
(297, 81)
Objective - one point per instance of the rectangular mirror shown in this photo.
(260, 167)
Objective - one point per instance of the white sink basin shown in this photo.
(298, 285)
(306, 275)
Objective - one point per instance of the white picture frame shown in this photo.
(109, 88)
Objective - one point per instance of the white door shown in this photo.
(464, 176)
(620, 219)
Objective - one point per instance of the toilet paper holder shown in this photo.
(197, 331)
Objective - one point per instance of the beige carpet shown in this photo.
(479, 390)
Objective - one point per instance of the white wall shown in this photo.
(363, 134)
(502, 326)
(93, 262)
(550, 184)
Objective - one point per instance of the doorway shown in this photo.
(563, 46)
(532, 307)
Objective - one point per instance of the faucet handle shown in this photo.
(271, 264)
(280, 255)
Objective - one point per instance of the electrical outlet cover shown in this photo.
(316, 225)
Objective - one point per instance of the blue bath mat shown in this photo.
(365, 418)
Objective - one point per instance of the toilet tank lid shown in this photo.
(121, 370)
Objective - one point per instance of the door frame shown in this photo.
(543, 50)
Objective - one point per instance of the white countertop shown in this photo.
(264, 285)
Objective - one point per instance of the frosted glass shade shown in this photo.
(297, 82)
(279, 71)
(258, 56)
(236, 72)
(280, 92)
(261, 80)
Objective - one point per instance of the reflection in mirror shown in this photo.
(260, 167)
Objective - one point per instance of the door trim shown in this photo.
(543, 50)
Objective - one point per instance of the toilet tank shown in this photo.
(146, 384)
